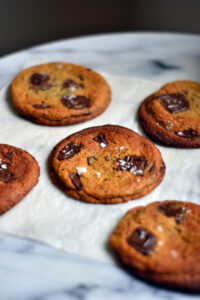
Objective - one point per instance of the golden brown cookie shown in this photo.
(161, 242)
(172, 114)
(106, 164)
(19, 173)
(57, 94)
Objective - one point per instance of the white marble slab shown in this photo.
(36, 271)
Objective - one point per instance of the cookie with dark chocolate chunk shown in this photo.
(172, 114)
(57, 94)
(161, 242)
(106, 164)
(19, 173)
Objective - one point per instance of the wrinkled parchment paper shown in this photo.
(48, 215)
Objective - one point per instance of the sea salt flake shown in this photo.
(160, 243)
(174, 254)
(98, 174)
(160, 228)
(102, 145)
(81, 170)
(72, 88)
(122, 148)
(4, 166)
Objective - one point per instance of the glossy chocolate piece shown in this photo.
(134, 164)
(76, 102)
(142, 240)
(174, 103)
(69, 151)
(75, 178)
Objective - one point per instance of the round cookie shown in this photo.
(57, 94)
(161, 242)
(106, 164)
(172, 114)
(19, 173)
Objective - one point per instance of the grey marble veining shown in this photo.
(29, 270)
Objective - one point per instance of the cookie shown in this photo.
(106, 164)
(19, 173)
(57, 94)
(161, 242)
(172, 114)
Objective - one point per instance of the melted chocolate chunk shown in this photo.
(170, 210)
(75, 178)
(5, 175)
(39, 79)
(142, 240)
(69, 151)
(71, 83)
(134, 164)
(90, 160)
(76, 102)
(101, 139)
(41, 106)
(174, 103)
(188, 133)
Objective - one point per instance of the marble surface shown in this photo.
(29, 270)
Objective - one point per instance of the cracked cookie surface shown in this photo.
(106, 164)
(57, 94)
(161, 242)
(19, 173)
(172, 114)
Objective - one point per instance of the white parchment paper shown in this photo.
(47, 214)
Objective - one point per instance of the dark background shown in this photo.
(24, 23)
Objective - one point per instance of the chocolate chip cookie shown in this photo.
(60, 93)
(19, 173)
(106, 164)
(161, 242)
(172, 114)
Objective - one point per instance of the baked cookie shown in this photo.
(59, 93)
(106, 164)
(19, 173)
(161, 242)
(172, 115)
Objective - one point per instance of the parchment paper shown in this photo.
(47, 214)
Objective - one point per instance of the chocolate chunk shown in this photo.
(188, 133)
(9, 155)
(134, 164)
(162, 166)
(101, 139)
(170, 210)
(5, 175)
(142, 240)
(69, 151)
(152, 168)
(81, 77)
(106, 158)
(76, 102)
(41, 106)
(90, 160)
(174, 103)
(75, 178)
(39, 79)
(71, 83)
